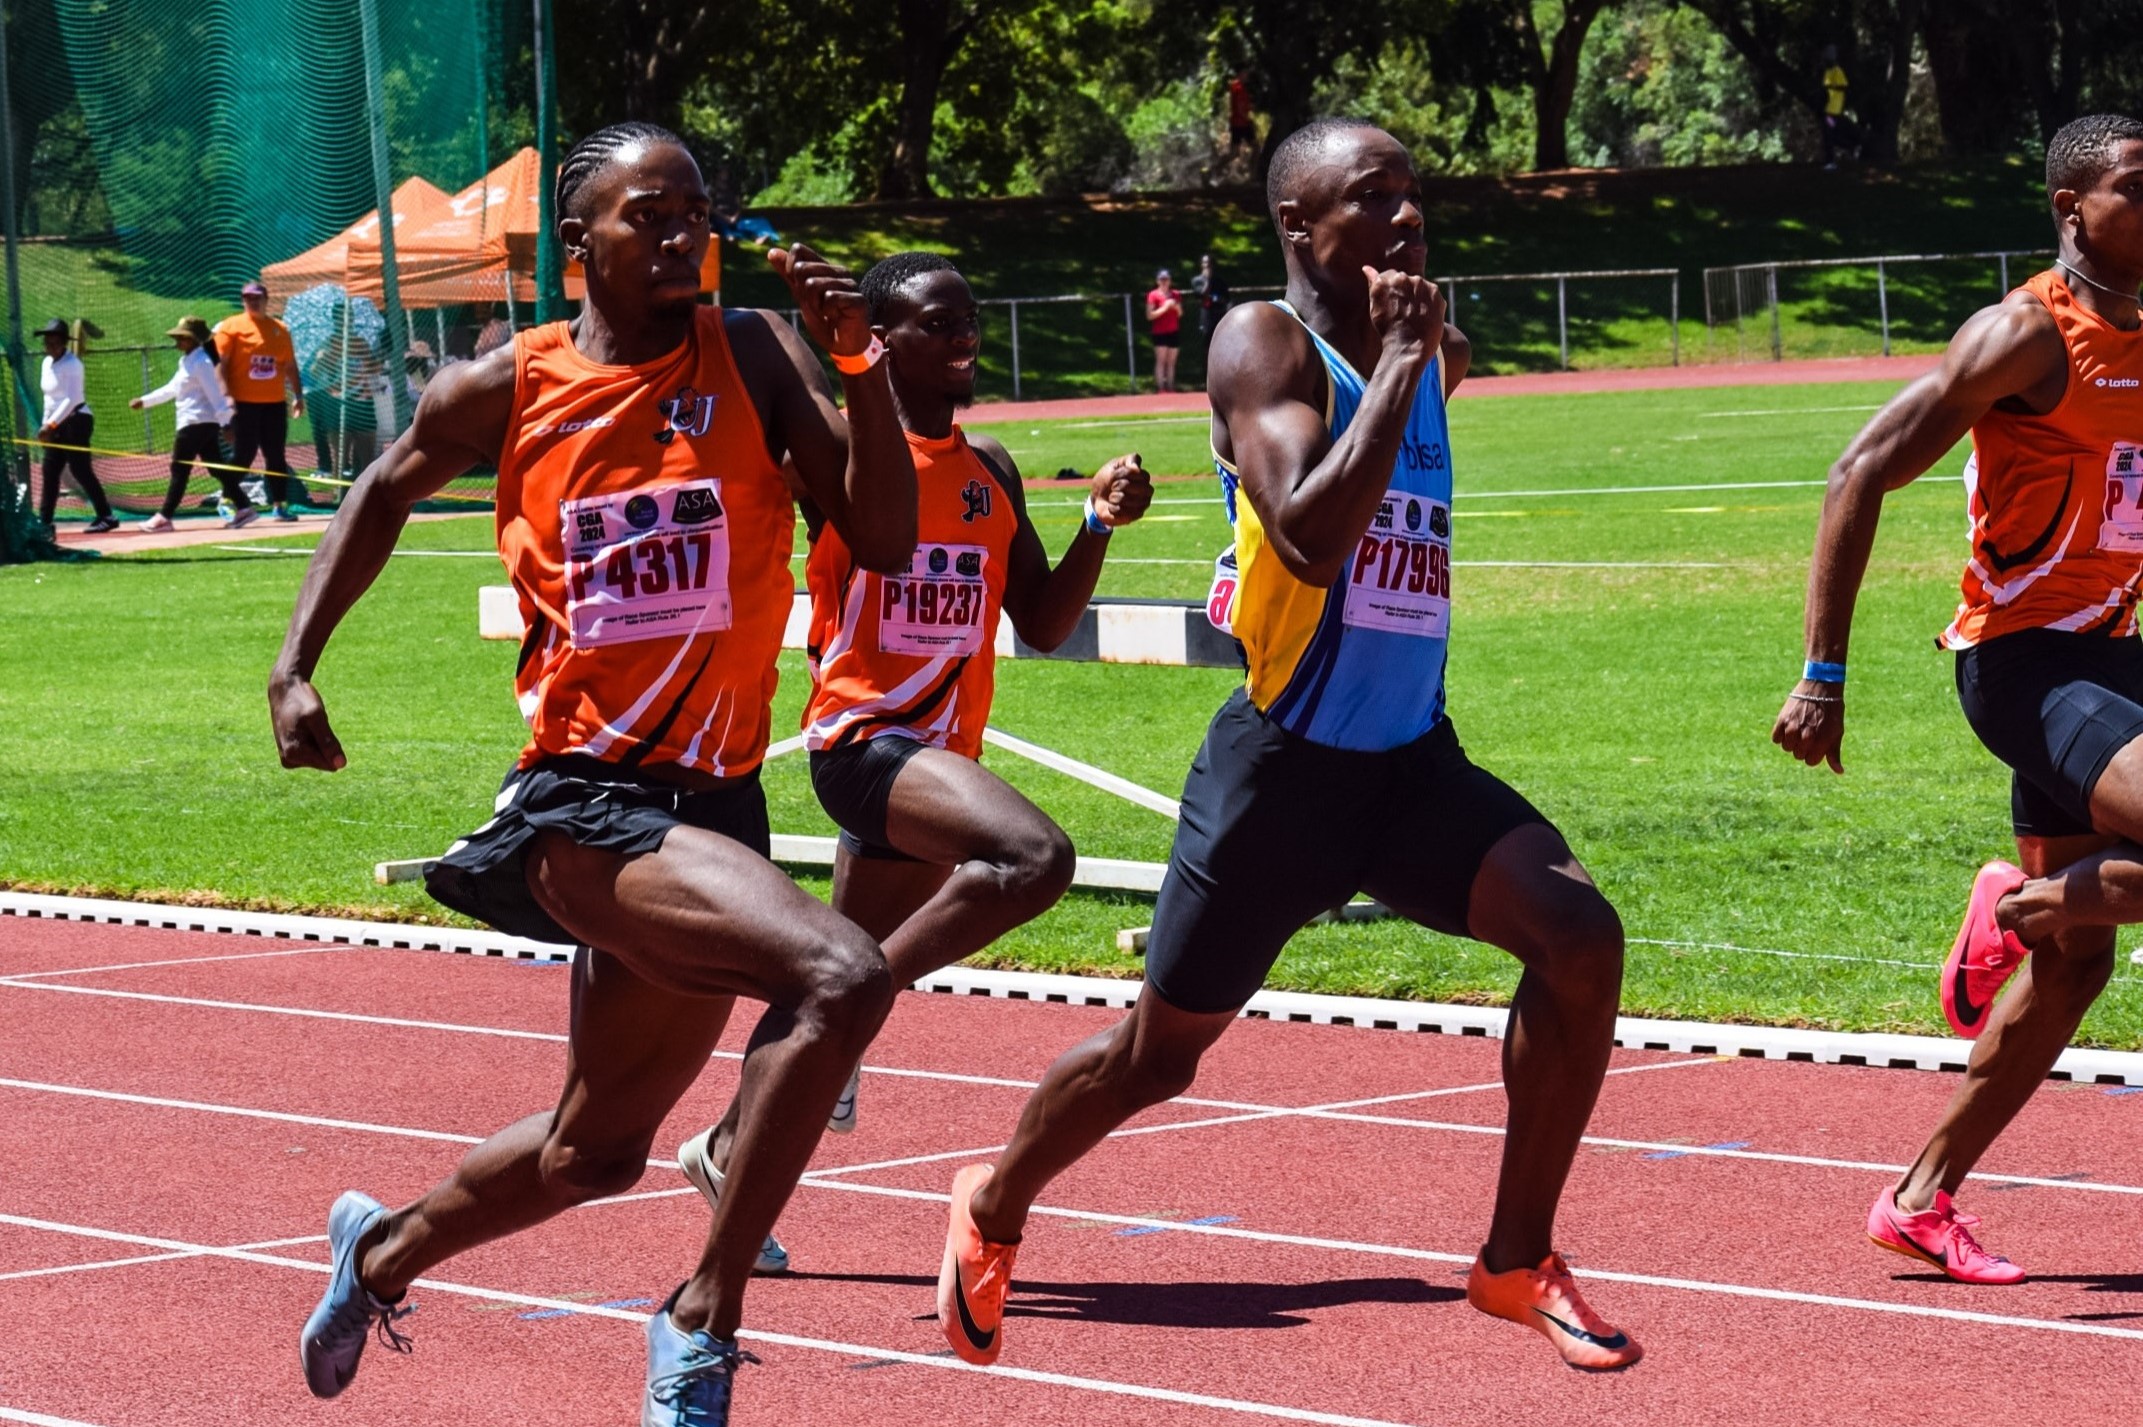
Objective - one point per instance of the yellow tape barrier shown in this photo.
(165, 460)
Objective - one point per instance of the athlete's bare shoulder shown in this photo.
(994, 454)
(1259, 353)
(468, 406)
(777, 366)
(2009, 355)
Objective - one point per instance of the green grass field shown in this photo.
(1619, 653)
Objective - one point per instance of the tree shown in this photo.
(1782, 40)
(40, 85)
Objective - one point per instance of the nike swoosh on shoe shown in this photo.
(975, 1335)
(1966, 1011)
(1613, 1344)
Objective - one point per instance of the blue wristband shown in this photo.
(1816, 672)
(1094, 521)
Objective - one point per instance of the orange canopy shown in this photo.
(341, 259)
(485, 236)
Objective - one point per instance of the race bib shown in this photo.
(1401, 577)
(646, 564)
(2122, 528)
(934, 607)
(261, 368)
(1220, 599)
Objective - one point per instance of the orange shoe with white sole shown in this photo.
(975, 1278)
(1545, 1299)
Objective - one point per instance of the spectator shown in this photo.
(1164, 313)
(66, 430)
(1212, 290)
(203, 410)
(496, 334)
(257, 360)
(1839, 131)
(1242, 128)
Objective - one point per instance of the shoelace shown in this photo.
(1557, 1281)
(387, 1315)
(1961, 1236)
(716, 1370)
(996, 1263)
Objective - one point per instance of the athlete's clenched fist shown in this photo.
(1122, 490)
(827, 298)
(1408, 313)
(1811, 726)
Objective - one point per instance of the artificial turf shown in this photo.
(1618, 654)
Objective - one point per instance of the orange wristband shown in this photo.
(860, 363)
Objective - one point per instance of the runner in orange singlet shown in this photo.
(938, 856)
(645, 519)
(2050, 384)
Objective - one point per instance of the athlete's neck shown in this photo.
(930, 417)
(1340, 317)
(618, 342)
(2098, 287)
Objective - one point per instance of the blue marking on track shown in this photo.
(2124, 1090)
(570, 1312)
(1141, 1230)
(1682, 1154)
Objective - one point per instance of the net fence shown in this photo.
(221, 141)
(1853, 307)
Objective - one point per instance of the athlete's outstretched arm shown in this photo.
(1314, 496)
(2011, 352)
(460, 423)
(1458, 357)
(857, 471)
(1044, 604)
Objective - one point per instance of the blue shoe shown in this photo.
(689, 1375)
(335, 1334)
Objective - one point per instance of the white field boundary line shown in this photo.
(1466, 496)
(1697, 1037)
(784, 1340)
(1087, 773)
(1786, 411)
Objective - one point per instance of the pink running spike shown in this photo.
(1940, 1236)
(1984, 956)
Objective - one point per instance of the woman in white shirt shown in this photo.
(204, 409)
(66, 430)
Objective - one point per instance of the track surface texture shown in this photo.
(1288, 1243)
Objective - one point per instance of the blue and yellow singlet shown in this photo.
(1358, 663)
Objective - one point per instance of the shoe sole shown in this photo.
(691, 1164)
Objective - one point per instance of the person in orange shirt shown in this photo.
(645, 454)
(253, 352)
(2049, 382)
(938, 856)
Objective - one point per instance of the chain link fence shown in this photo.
(1850, 307)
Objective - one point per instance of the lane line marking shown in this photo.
(178, 961)
(151, 1258)
(785, 1340)
(39, 1419)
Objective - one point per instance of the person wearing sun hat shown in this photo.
(204, 408)
(257, 360)
(65, 430)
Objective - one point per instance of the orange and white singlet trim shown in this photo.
(914, 655)
(648, 535)
(2057, 500)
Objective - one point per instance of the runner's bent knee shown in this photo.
(849, 993)
(574, 1173)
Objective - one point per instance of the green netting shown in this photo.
(221, 137)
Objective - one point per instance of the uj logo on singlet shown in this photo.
(685, 414)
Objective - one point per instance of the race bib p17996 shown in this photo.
(1400, 581)
(645, 564)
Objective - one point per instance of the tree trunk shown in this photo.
(659, 59)
(1553, 78)
(1880, 121)
(929, 39)
(1987, 67)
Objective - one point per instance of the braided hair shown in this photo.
(592, 154)
(885, 279)
(2080, 154)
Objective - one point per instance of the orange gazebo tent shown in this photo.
(351, 257)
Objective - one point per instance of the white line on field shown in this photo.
(177, 961)
(39, 1419)
(166, 1257)
(1097, 425)
(404, 554)
(1787, 411)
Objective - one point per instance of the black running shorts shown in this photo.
(855, 782)
(596, 804)
(2055, 707)
(1277, 829)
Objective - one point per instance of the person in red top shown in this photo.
(1164, 313)
(2049, 382)
(938, 856)
(1242, 129)
(645, 517)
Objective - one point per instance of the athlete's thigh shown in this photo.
(946, 808)
(633, 1049)
(1532, 895)
(702, 915)
(1445, 818)
(878, 894)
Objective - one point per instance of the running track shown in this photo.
(177, 1110)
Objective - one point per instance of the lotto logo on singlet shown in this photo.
(1400, 578)
(2121, 382)
(935, 606)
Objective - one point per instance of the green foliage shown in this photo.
(1661, 87)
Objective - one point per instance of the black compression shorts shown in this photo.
(1277, 829)
(2055, 707)
(855, 782)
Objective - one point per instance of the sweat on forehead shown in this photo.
(1302, 153)
(588, 158)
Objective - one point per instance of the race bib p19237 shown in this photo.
(646, 564)
(935, 606)
(1400, 581)
(2122, 528)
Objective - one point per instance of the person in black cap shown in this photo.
(66, 430)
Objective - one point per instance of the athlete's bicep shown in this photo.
(1027, 563)
(2007, 353)
(1277, 445)
(809, 429)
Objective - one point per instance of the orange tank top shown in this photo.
(2057, 500)
(648, 534)
(914, 654)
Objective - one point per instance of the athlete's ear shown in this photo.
(2068, 209)
(573, 236)
(1294, 224)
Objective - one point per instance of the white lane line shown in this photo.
(785, 1340)
(176, 961)
(151, 1258)
(1793, 955)
(1785, 411)
(1009, 424)
(160, 1102)
(1692, 1285)
(39, 1419)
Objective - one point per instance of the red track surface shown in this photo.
(148, 1111)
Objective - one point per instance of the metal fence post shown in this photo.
(1562, 319)
(1778, 352)
(2005, 275)
(1674, 318)
(1014, 305)
(1882, 301)
(148, 443)
(1130, 346)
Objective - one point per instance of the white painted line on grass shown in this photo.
(491, 555)
(784, 1340)
(1786, 411)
